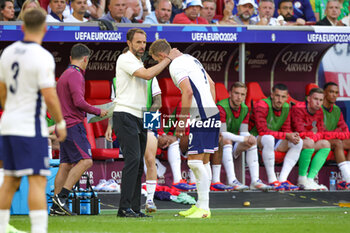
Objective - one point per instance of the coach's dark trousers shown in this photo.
(132, 139)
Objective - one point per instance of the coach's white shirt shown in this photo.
(186, 66)
(25, 67)
(131, 92)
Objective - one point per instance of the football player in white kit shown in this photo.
(200, 111)
(27, 86)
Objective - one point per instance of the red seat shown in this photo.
(99, 153)
(171, 95)
(309, 87)
(291, 100)
(254, 93)
(97, 92)
(220, 92)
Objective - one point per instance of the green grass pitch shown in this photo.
(333, 219)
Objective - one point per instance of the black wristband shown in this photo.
(169, 58)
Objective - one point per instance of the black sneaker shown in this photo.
(56, 212)
(142, 215)
(127, 213)
(62, 205)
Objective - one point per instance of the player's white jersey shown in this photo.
(155, 87)
(25, 68)
(186, 66)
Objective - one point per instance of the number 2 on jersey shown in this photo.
(15, 69)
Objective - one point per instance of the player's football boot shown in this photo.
(200, 213)
(189, 211)
(218, 186)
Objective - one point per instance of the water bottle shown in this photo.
(333, 181)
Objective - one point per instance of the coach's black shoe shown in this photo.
(127, 213)
(142, 215)
(62, 204)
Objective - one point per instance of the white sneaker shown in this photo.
(238, 186)
(100, 185)
(323, 187)
(311, 185)
(259, 185)
(111, 186)
(302, 181)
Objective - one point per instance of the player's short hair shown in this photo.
(79, 51)
(132, 31)
(160, 45)
(34, 19)
(237, 85)
(280, 86)
(329, 84)
(315, 90)
(282, 1)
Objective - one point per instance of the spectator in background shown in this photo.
(133, 9)
(301, 10)
(228, 15)
(285, 11)
(7, 10)
(332, 13)
(208, 11)
(191, 14)
(320, 9)
(177, 8)
(116, 12)
(145, 9)
(235, 4)
(161, 14)
(79, 10)
(96, 8)
(56, 14)
(245, 11)
(266, 9)
(27, 5)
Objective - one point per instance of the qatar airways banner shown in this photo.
(336, 67)
(297, 65)
(293, 64)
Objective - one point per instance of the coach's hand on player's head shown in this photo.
(174, 53)
(103, 113)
